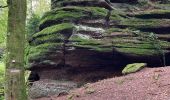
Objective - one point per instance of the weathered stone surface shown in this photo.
(94, 3)
(45, 88)
(84, 34)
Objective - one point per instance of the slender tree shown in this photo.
(15, 84)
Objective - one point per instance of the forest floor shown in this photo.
(147, 84)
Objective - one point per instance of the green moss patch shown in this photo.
(54, 29)
(125, 41)
(138, 51)
(91, 44)
(136, 23)
(74, 13)
(141, 44)
(143, 48)
(131, 68)
(37, 52)
(49, 38)
(159, 14)
(2, 81)
(142, 20)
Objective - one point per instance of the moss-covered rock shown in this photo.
(87, 40)
(72, 14)
(131, 68)
(86, 26)
(60, 28)
(101, 3)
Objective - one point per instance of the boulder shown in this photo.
(46, 88)
(131, 68)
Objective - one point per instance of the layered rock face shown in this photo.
(78, 38)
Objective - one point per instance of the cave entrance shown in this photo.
(34, 76)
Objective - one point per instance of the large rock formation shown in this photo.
(94, 37)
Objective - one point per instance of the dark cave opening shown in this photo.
(34, 76)
(112, 67)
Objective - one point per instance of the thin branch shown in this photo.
(3, 6)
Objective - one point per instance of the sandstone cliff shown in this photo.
(100, 35)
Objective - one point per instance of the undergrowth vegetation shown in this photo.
(2, 71)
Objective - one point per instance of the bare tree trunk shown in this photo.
(15, 88)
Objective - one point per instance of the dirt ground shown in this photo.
(147, 84)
